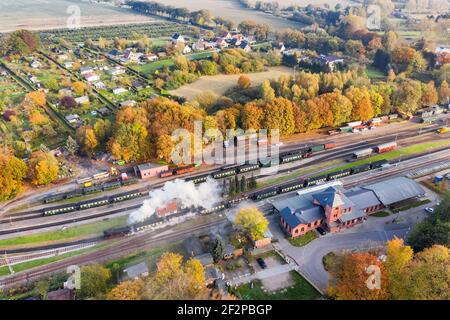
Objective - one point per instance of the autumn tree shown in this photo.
(362, 105)
(79, 87)
(12, 173)
(252, 220)
(279, 114)
(164, 147)
(22, 42)
(37, 98)
(44, 168)
(244, 82)
(267, 93)
(398, 257)
(407, 97)
(127, 290)
(102, 130)
(86, 139)
(444, 92)
(68, 102)
(176, 280)
(430, 94)
(350, 281)
(251, 116)
(95, 281)
(72, 146)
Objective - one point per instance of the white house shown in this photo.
(150, 57)
(199, 45)
(99, 85)
(86, 70)
(187, 50)
(68, 64)
(119, 90)
(128, 103)
(82, 100)
(91, 77)
(35, 64)
(73, 118)
(177, 38)
(117, 71)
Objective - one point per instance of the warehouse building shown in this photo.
(150, 170)
(334, 208)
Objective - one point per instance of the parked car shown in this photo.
(321, 231)
(429, 210)
(261, 263)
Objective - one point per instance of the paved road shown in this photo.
(373, 233)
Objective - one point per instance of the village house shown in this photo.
(128, 103)
(199, 45)
(91, 77)
(331, 62)
(150, 170)
(221, 42)
(186, 49)
(150, 57)
(65, 92)
(137, 85)
(114, 54)
(99, 85)
(178, 38)
(86, 70)
(35, 64)
(135, 272)
(73, 119)
(116, 71)
(333, 208)
(245, 46)
(119, 90)
(82, 100)
(68, 64)
(130, 57)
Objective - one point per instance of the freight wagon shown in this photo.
(386, 147)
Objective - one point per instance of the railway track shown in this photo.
(122, 247)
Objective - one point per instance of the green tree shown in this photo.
(41, 289)
(243, 184)
(252, 220)
(267, 93)
(218, 249)
(95, 281)
(72, 146)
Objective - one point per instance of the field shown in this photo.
(54, 14)
(221, 83)
(300, 290)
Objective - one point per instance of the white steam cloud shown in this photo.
(187, 194)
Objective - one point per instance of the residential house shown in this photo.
(150, 57)
(119, 90)
(199, 45)
(206, 259)
(225, 35)
(91, 77)
(68, 64)
(99, 85)
(136, 271)
(86, 70)
(73, 119)
(130, 57)
(114, 54)
(211, 275)
(65, 92)
(137, 85)
(104, 111)
(221, 42)
(161, 55)
(82, 100)
(128, 103)
(245, 46)
(331, 62)
(116, 71)
(187, 49)
(178, 38)
(35, 64)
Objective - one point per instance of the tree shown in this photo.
(44, 168)
(252, 184)
(79, 87)
(444, 92)
(41, 288)
(349, 281)
(398, 257)
(87, 139)
(362, 105)
(181, 63)
(175, 280)
(218, 249)
(244, 82)
(389, 40)
(243, 184)
(430, 94)
(247, 27)
(252, 221)
(22, 42)
(266, 91)
(68, 102)
(94, 281)
(37, 98)
(102, 130)
(12, 173)
(407, 97)
(72, 146)
(164, 147)
(127, 290)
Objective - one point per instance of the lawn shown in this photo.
(375, 74)
(300, 290)
(395, 154)
(411, 205)
(380, 214)
(304, 239)
(4, 271)
(151, 67)
(68, 234)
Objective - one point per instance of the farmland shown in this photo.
(221, 83)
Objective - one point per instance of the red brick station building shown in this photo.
(333, 208)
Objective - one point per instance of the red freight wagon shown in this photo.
(330, 146)
(386, 147)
